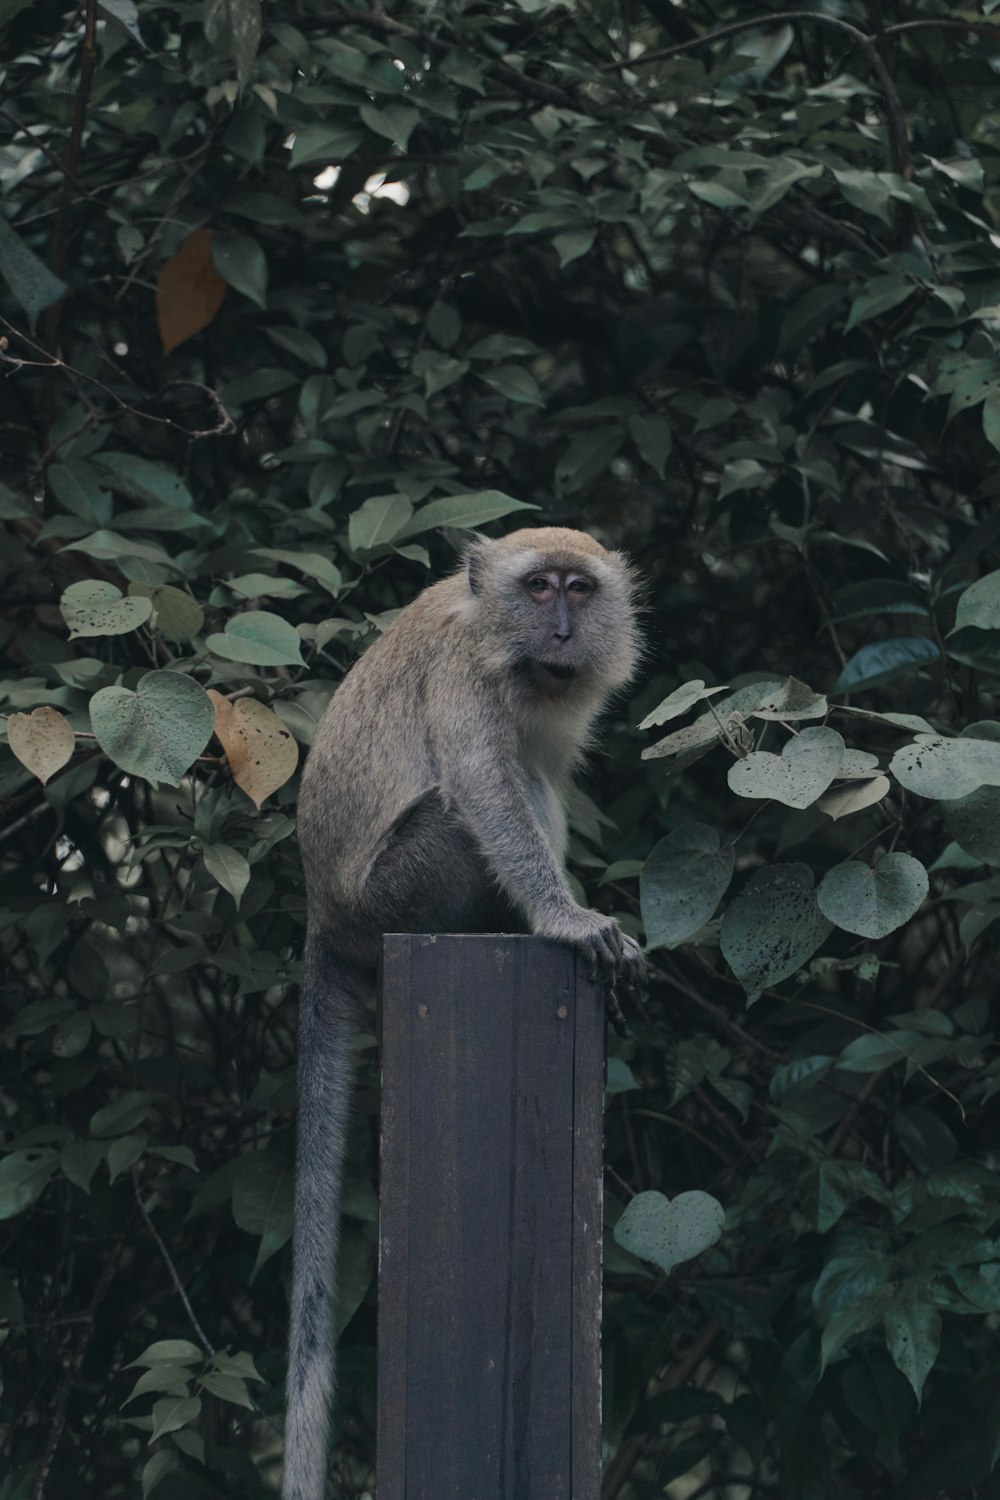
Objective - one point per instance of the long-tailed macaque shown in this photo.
(432, 801)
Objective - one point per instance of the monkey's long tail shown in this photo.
(326, 1025)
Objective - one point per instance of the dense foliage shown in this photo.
(290, 299)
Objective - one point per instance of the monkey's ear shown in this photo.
(475, 565)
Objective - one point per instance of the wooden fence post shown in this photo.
(490, 1224)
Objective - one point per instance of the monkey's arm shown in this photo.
(495, 805)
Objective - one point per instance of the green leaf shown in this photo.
(122, 1115)
(979, 605)
(228, 867)
(234, 28)
(574, 243)
(687, 745)
(881, 295)
(868, 191)
(379, 522)
(516, 384)
(913, 1337)
(176, 615)
(172, 1413)
(144, 480)
(802, 772)
(883, 661)
(168, 1351)
(79, 1161)
(933, 766)
(393, 121)
(124, 1153)
(654, 438)
(873, 901)
(326, 143)
(772, 927)
(974, 823)
(260, 639)
(874, 1051)
(743, 474)
(682, 883)
(92, 607)
(159, 1466)
(157, 731)
(679, 701)
(241, 262)
(444, 325)
(669, 1232)
(24, 1176)
(842, 801)
(263, 1194)
(28, 277)
(793, 700)
(461, 512)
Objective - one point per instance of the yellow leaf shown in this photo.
(43, 741)
(189, 291)
(261, 752)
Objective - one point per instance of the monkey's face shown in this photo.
(554, 607)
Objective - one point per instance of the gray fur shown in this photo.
(432, 801)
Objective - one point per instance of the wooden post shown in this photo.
(490, 1225)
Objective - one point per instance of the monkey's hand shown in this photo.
(612, 957)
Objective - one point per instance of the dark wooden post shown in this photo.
(490, 1228)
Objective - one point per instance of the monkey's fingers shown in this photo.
(614, 1011)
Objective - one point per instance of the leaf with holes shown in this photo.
(670, 1231)
(42, 740)
(772, 927)
(157, 731)
(261, 752)
(913, 1338)
(93, 607)
(873, 901)
(946, 769)
(682, 883)
(802, 772)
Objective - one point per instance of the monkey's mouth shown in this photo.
(554, 675)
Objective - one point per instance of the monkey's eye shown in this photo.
(579, 586)
(538, 585)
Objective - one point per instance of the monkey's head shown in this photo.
(556, 608)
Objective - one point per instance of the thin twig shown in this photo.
(899, 145)
(73, 1368)
(200, 1333)
(51, 362)
(60, 236)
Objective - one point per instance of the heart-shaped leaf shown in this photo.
(670, 1232)
(92, 607)
(772, 927)
(261, 752)
(844, 800)
(260, 639)
(682, 883)
(157, 731)
(801, 773)
(42, 740)
(974, 823)
(873, 901)
(933, 766)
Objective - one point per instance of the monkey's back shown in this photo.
(371, 781)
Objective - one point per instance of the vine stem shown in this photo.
(71, 161)
(899, 145)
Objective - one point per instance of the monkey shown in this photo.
(432, 800)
